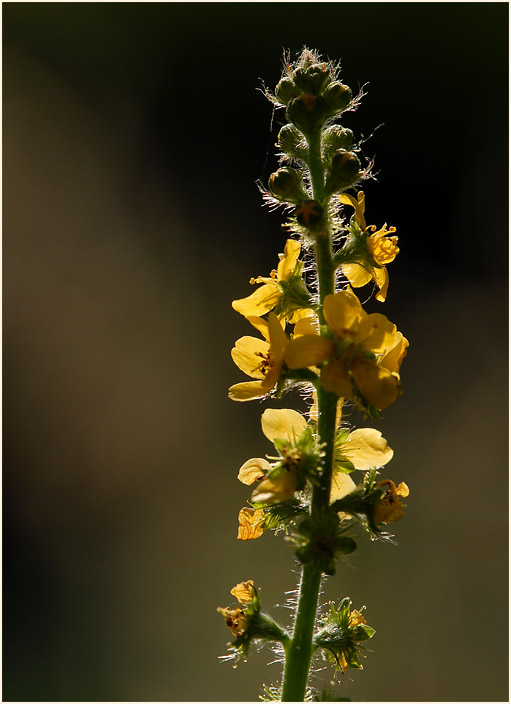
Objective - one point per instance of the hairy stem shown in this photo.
(299, 652)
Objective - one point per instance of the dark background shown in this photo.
(133, 137)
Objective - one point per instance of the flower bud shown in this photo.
(286, 184)
(307, 112)
(312, 79)
(344, 171)
(291, 142)
(286, 90)
(337, 98)
(336, 137)
(309, 214)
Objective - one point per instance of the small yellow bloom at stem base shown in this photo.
(389, 508)
(250, 523)
(235, 619)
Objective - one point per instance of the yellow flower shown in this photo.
(260, 359)
(244, 591)
(382, 248)
(365, 353)
(235, 619)
(389, 508)
(281, 424)
(266, 297)
(250, 523)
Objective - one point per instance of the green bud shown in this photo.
(307, 112)
(344, 171)
(309, 214)
(312, 79)
(336, 137)
(286, 90)
(291, 142)
(337, 98)
(286, 184)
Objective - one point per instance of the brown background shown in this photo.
(133, 135)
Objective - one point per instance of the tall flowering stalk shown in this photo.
(314, 335)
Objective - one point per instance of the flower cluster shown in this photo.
(315, 337)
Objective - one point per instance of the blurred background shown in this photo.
(133, 137)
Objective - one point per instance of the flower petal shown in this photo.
(393, 357)
(278, 338)
(308, 350)
(262, 300)
(253, 469)
(244, 591)
(306, 325)
(250, 520)
(248, 390)
(288, 262)
(381, 278)
(273, 490)
(377, 385)
(356, 274)
(376, 333)
(259, 324)
(248, 354)
(335, 377)
(342, 311)
(366, 448)
(282, 423)
(342, 484)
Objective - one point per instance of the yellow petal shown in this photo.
(248, 390)
(288, 262)
(308, 325)
(260, 324)
(335, 377)
(253, 469)
(383, 248)
(377, 385)
(358, 205)
(282, 423)
(403, 490)
(308, 350)
(356, 274)
(278, 338)
(342, 312)
(300, 313)
(376, 333)
(262, 300)
(275, 489)
(250, 520)
(244, 591)
(394, 355)
(381, 278)
(248, 353)
(342, 484)
(366, 448)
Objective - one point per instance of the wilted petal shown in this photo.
(244, 591)
(282, 423)
(250, 520)
(253, 469)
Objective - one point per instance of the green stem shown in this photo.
(299, 651)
